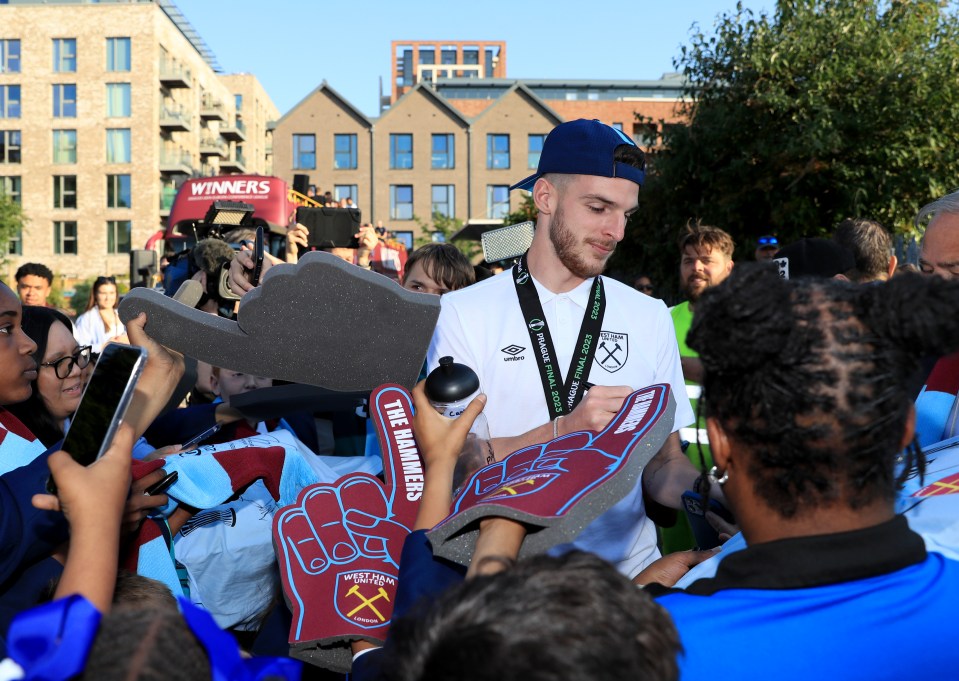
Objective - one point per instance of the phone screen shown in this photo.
(104, 402)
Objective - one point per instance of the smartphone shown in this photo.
(103, 404)
(163, 485)
(200, 437)
(705, 534)
(258, 248)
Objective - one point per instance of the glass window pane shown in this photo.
(9, 146)
(497, 151)
(9, 56)
(401, 151)
(344, 152)
(535, 149)
(64, 146)
(442, 156)
(118, 54)
(304, 152)
(118, 100)
(497, 201)
(65, 55)
(118, 145)
(9, 101)
(118, 191)
(401, 202)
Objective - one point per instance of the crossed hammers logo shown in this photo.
(610, 353)
(367, 602)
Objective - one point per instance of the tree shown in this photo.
(446, 227)
(12, 221)
(828, 109)
(526, 212)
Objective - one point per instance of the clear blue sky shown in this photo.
(293, 45)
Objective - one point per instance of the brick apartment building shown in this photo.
(105, 108)
(454, 146)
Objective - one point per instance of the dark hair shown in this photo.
(808, 376)
(444, 264)
(631, 155)
(699, 235)
(571, 617)
(32, 411)
(99, 283)
(143, 645)
(870, 243)
(35, 269)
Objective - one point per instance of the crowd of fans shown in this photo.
(796, 380)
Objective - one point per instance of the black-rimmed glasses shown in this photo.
(63, 366)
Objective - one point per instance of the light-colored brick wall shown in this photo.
(152, 35)
(516, 115)
(420, 115)
(322, 114)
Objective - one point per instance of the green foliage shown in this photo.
(828, 109)
(527, 211)
(12, 221)
(81, 296)
(447, 227)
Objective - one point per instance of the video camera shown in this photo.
(221, 218)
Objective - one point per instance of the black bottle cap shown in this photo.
(451, 382)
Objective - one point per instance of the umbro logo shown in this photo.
(514, 353)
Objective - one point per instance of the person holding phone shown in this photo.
(101, 321)
(28, 537)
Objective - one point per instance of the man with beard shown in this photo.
(557, 347)
(706, 259)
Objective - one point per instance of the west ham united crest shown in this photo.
(363, 597)
(612, 351)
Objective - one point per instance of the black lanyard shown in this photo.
(561, 397)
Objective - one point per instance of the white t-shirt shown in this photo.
(482, 326)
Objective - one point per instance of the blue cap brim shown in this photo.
(526, 184)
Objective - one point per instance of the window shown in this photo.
(118, 145)
(118, 100)
(344, 152)
(442, 200)
(118, 191)
(497, 151)
(65, 100)
(497, 201)
(345, 191)
(618, 126)
(15, 245)
(401, 202)
(65, 237)
(65, 55)
(304, 152)
(443, 155)
(9, 146)
(401, 151)
(118, 236)
(238, 103)
(9, 101)
(64, 146)
(118, 54)
(64, 191)
(9, 56)
(10, 187)
(535, 149)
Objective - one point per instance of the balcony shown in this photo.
(214, 146)
(235, 132)
(174, 75)
(237, 164)
(176, 162)
(212, 109)
(175, 119)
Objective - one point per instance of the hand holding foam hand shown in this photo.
(557, 488)
(339, 546)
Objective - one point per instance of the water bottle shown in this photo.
(450, 387)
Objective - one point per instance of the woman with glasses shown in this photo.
(101, 322)
(59, 383)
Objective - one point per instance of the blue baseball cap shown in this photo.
(583, 147)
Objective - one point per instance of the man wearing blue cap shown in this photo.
(557, 347)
